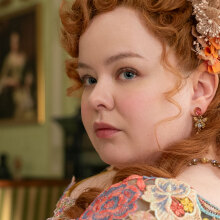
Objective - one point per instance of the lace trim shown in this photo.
(208, 208)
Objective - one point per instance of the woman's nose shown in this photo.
(101, 96)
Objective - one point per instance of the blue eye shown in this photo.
(88, 80)
(127, 74)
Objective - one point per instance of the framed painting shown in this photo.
(4, 2)
(21, 77)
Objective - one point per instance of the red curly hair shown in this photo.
(171, 22)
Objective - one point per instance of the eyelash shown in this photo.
(122, 70)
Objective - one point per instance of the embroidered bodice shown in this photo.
(144, 198)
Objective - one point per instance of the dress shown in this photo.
(144, 198)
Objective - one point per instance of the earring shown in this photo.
(200, 121)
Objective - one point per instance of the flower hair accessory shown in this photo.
(207, 45)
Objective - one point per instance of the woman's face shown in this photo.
(14, 42)
(124, 86)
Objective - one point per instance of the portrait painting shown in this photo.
(21, 93)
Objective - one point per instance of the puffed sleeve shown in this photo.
(145, 198)
(120, 201)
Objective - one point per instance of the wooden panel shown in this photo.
(31, 200)
(32, 195)
(19, 203)
(7, 204)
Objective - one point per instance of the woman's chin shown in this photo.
(119, 162)
(123, 160)
(114, 161)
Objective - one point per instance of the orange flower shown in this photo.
(211, 54)
(208, 51)
(215, 42)
(211, 51)
(215, 69)
(214, 52)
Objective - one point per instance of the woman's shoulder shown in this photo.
(141, 197)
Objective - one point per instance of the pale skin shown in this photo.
(124, 85)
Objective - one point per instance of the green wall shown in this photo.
(40, 146)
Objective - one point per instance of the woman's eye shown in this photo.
(88, 80)
(127, 74)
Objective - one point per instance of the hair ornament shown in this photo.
(207, 32)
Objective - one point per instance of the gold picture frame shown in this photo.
(22, 94)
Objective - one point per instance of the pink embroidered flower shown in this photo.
(177, 208)
(141, 184)
(132, 177)
(139, 181)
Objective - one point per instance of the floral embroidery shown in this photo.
(139, 181)
(64, 203)
(115, 203)
(170, 198)
(142, 215)
(187, 204)
(143, 198)
(132, 177)
(208, 209)
(177, 208)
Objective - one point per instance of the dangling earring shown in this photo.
(200, 121)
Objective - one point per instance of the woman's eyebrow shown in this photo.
(112, 59)
(119, 56)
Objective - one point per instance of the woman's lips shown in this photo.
(104, 130)
(106, 133)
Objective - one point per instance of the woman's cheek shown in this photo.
(136, 103)
(84, 111)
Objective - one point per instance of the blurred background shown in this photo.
(42, 140)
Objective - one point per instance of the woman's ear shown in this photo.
(205, 86)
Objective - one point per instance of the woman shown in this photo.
(149, 72)
(10, 77)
